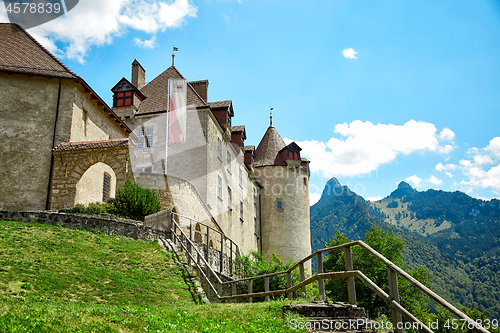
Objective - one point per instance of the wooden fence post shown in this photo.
(302, 278)
(266, 287)
(394, 294)
(351, 287)
(289, 284)
(233, 288)
(250, 290)
(321, 282)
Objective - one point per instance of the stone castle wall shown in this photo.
(70, 166)
(109, 226)
(285, 231)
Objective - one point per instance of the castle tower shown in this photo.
(285, 221)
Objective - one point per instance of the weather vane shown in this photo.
(173, 54)
(271, 116)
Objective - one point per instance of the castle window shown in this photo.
(228, 162)
(219, 187)
(305, 181)
(105, 187)
(290, 155)
(255, 196)
(241, 178)
(296, 155)
(256, 226)
(229, 198)
(85, 121)
(123, 98)
(219, 149)
(241, 211)
(145, 138)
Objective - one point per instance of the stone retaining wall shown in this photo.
(107, 225)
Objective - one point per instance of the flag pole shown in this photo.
(167, 131)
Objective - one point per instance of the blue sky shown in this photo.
(375, 92)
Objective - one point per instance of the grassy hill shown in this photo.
(54, 279)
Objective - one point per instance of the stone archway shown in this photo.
(73, 160)
(97, 184)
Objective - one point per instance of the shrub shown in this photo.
(254, 264)
(134, 202)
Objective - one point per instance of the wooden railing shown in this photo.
(207, 273)
(349, 274)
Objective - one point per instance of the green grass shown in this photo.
(54, 279)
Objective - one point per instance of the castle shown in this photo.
(63, 145)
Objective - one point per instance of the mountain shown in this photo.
(456, 237)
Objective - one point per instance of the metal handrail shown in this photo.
(199, 257)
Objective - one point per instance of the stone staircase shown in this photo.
(333, 317)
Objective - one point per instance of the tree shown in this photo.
(390, 247)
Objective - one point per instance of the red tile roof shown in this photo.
(21, 53)
(72, 146)
(156, 93)
(268, 149)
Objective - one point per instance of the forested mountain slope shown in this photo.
(456, 237)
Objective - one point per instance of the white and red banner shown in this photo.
(177, 104)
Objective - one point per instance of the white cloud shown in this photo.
(448, 174)
(372, 199)
(477, 171)
(147, 44)
(349, 53)
(365, 146)
(414, 181)
(97, 22)
(447, 167)
(434, 180)
(313, 198)
(446, 134)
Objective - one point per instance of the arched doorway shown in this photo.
(198, 233)
(97, 184)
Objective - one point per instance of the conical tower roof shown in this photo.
(268, 149)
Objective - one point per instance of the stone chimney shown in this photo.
(201, 88)
(138, 75)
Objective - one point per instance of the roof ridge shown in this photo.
(44, 49)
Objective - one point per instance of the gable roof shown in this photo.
(73, 146)
(128, 86)
(268, 149)
(156, 92)
(21, 53)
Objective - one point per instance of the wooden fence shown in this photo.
(207, 273)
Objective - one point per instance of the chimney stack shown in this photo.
(138, 75)
(201, 88)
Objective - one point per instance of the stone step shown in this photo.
(332, 317)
